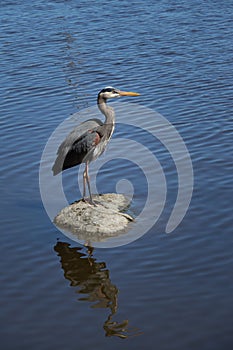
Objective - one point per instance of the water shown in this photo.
(170, 290)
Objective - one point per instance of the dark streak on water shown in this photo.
(176, 290)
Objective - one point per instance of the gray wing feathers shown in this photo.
(76, 133)
(67, 144)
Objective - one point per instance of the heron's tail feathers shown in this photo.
(57, 166)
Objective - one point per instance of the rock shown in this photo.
(96, 223)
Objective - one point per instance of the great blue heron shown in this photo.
(89, 140)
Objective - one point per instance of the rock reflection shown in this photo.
(93, 282)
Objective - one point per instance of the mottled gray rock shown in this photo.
(96, 223)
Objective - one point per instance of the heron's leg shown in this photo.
(84, 184)
(86, 179)
(88, 183)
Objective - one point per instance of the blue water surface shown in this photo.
(174, 291)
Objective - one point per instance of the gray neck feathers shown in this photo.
(107, 111)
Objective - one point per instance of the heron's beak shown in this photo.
(128, 93)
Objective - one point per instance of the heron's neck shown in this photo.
(107, 111)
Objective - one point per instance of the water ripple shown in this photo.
(177, 288)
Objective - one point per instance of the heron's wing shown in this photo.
(76, 145)
(82, 149)
(76, 133)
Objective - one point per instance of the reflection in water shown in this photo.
(92, 279)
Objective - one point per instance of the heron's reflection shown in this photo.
(93, 281)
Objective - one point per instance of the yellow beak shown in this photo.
(128, 93)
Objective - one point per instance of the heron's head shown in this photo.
(110, 92)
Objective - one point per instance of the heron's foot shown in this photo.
(89, 201)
